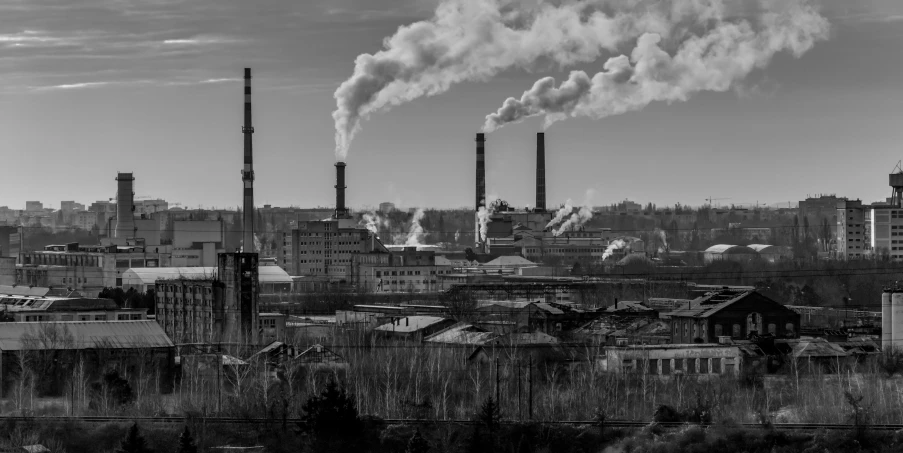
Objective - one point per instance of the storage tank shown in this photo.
(886, 319)
(896, 318)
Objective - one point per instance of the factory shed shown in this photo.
(272, 279)
(414, 327)
(127, 346)
(772, 253)
(725, 252)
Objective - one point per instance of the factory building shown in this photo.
(326, 249)
(222, 307)
(86, 268)
(405, 271)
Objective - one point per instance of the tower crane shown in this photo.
(710, 199)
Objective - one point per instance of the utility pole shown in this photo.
(519, 368)
(530, 385)
(498, 400)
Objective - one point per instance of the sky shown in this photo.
(89, 88)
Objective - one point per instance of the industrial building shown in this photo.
(408, 270)
(220, 308)
(85, 268)
(97, 345)
(327, 249)
(732, 314)
(24, 308)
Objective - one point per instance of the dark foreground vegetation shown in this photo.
(330, 422)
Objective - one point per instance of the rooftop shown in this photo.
(14, 336)
(410, 324)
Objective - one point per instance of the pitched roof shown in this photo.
(411, 324)
(711, 303)
(512, 260)
(727, 248)
(87, 335)
(461, 333)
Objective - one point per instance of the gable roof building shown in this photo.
(737, 314)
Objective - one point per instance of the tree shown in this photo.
(133, 442)
(490, 414)
(186, 443)
(332, 421)
(417, 444)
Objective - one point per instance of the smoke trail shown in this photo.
(561, 214)
(473, 40)
(715, 61)
(575, 221)
(661, 235)
(483, 217)
(617, 244)
(415, 232)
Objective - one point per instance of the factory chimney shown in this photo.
(341, 212)
(481, 171)
(247, 173)
(125, 206)
(540, 172)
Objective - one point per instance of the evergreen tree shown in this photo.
(331, 419)
(490, 414)
(417, 444)
(186, 443)
(133, 442)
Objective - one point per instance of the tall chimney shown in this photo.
(540, 171)
(247, 173)
(481, 171)
(125, 206)
(341, 212)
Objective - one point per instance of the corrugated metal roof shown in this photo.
(461, 333)
(410, 324)
(87, 335)
(548, 308)
(725, 248)
(149, 275)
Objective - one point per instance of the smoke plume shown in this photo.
(415, 231)
(575, 221)
(663, 237)
(373, 222)
(457, 236)
(561, 214)
(714, 61)
(474, 40)
(483, 217)
(617, 244)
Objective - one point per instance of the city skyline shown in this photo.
(156, 90)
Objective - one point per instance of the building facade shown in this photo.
(327, 248)
(212, 310)
(851, 230)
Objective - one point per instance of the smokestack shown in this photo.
(341, 212)
(481, 171)
(125, 206)
(540, 171)
(247, 173)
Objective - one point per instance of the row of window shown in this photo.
(702, 365)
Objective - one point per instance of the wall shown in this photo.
(674, 360)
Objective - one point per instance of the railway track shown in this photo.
(294, 421)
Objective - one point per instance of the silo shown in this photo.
(896, 318)
(886, 320)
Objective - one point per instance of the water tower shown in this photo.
(896, 182)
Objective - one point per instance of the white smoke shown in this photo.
(561, 214)
(474, 40)
(663, 237)
(714, 61)
(483, 217)
(457, 235)
(575, 221)
(415, 231)
(373, 222)
(617, 244)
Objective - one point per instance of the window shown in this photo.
(772, 329)
(716, 365)
(736, 331)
